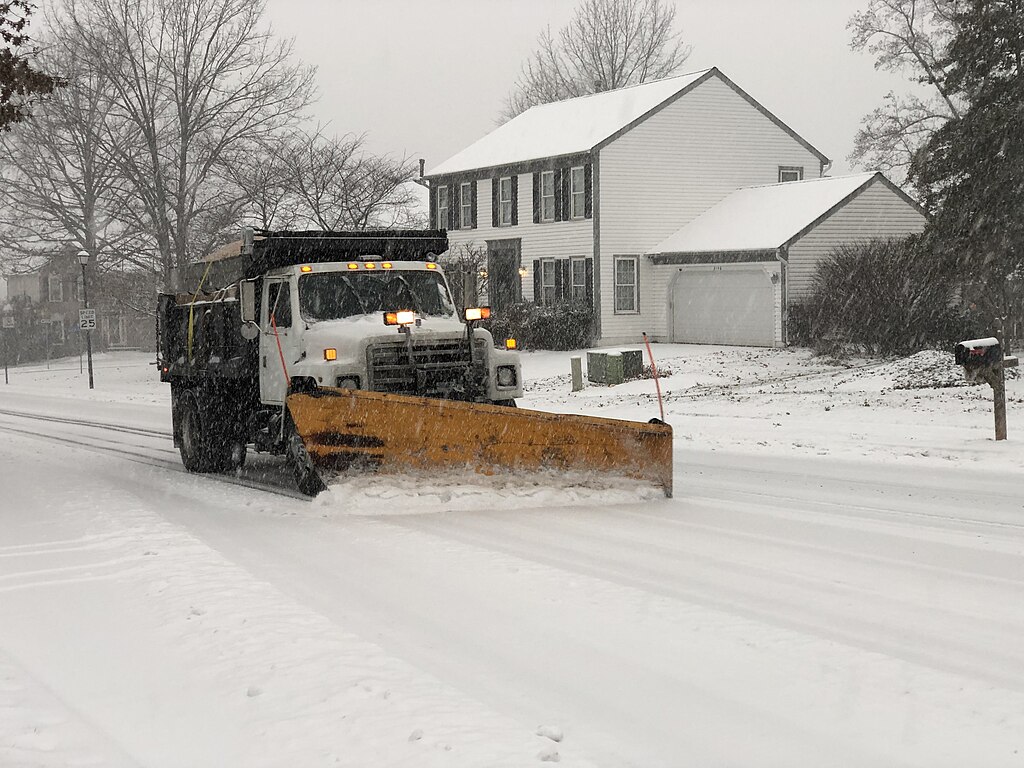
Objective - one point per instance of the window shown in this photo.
(441, 222)
(578, 279)
(465, 206)
(790, 173)
(79, 289)
(55, 288)
(547, 282)
(279, 306)
(505, 201)
(577, 194)
(626, 293)
(547, 196)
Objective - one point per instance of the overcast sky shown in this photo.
(426, 78)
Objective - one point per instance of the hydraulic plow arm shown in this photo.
(340, 427)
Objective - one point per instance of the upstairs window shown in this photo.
(54, 288)
(441, 221)
(79, 289)
(790, 173)
(505, 201)
(577, 193)
(547, 196)
(466, 206)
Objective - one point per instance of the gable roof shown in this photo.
(767, 217)
(578, 125)
(565, 127)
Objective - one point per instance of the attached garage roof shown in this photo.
(764, 218)
(565, 127)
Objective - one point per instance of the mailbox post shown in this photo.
(982, 360)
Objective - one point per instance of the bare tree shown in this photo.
(266, 184)
(191, 79)
(907, 37)
(608, 44)
(341, 186)
(59, 186)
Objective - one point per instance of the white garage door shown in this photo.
(728, 305)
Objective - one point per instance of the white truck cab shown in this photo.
(324, 324)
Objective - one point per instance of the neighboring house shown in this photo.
(55, 292)
(592, 199)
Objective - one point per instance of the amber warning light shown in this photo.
(401, 317)
(478, 313)
(510, 344)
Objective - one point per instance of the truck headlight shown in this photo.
(506, 375)
(348, 382)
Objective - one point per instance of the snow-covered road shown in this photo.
(780, 610)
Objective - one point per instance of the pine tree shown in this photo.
(19, 82)
(971, 173)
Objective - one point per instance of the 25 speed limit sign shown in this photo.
(87, 319)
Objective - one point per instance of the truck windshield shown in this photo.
(334, 295)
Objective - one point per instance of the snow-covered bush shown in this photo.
(564, 325)
(881, 297)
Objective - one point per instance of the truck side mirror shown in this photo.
(247, 301)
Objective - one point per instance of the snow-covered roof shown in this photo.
(565, 127)
(762, 218)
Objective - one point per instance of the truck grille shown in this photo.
(436, 367)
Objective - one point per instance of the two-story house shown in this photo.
(681, 208)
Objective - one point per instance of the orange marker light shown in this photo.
(431, 265)
(330, 354)
(370, 265)
(353, 265)
(386, 265)
(510, 344)
(305, 268)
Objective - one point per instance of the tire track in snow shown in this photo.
(804, 603)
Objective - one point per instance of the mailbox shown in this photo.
(978, 353)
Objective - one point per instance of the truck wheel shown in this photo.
(307, 479)
(195, 453)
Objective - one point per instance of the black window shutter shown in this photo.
(453, 205)
(563, 280)
(515, 199)
(472, 198)
(556, 182)
(536, 198)
(433, 207)
(588, 194)
(494, 201)
(538, 290)
(589, 279)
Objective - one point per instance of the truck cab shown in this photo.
(323, 325)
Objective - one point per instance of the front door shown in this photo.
(504, 284)
(277, 339)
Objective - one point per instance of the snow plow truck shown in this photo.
(344, 349)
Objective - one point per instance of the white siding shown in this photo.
(877, 212)
(558, 239)
(670, 168)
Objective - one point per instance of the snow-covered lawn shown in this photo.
(839, 580)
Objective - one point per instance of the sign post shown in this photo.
(8, 326)
(86, 316)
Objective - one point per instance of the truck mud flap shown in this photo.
(341, 427)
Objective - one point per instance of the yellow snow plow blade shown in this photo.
(340, 427)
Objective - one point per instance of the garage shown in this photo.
(725, 304)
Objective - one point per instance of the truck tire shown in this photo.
(193, 445)
(307, 479)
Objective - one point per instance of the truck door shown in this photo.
(278, 339)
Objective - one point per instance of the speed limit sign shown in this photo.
(87, 319)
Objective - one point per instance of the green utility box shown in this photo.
(614, 367)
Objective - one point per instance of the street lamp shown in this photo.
(83, 259)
